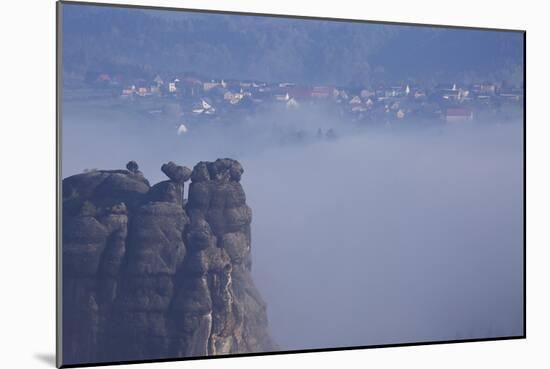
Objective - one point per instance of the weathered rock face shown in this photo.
(149, 275)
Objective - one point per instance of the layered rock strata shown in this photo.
(148, 274)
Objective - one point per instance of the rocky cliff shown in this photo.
(148, 274)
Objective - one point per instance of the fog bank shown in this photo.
(380, 236)
(391, 238)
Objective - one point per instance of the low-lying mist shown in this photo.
(379, 236)
(386, 239)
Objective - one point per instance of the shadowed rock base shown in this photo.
(149, 275)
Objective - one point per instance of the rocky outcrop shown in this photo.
(148, 274)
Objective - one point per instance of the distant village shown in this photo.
(208, 98)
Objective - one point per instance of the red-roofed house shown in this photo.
(298, 92)
(453, 115)
(322, 91)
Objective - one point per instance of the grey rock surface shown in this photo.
(148, 274)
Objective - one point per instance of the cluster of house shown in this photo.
(450, 102)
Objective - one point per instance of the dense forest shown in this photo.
(141, 43)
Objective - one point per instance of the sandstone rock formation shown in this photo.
(149, 275)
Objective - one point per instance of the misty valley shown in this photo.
(240, 184)
(355, 236)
